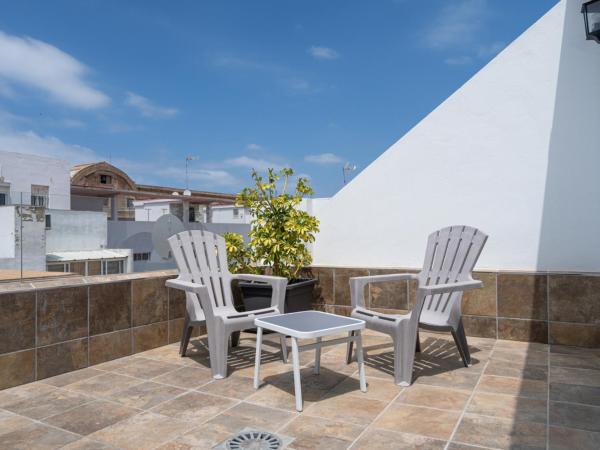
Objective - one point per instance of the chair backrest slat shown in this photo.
(451, 255)
(201, 256)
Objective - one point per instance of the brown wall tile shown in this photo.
(60, 358)
(149, 300)
(522, 296)
(480, 326)
(323, 292)
(17, 368)
(523, 330)
(390, 294)
(481, 302)
(176, 303)
(94, 267)
(106, 347)
(62, 315)
(575, 298)
(17, 321)
(575, 334)
(149, 336)
(110, 307)
(339, 310)
(342, 284)
(77, 267)
(175, 330)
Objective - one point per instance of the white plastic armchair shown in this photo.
(449, 260)
(205, 278)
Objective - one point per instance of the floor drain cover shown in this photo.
(254, 440)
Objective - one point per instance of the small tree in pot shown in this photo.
(279, 234)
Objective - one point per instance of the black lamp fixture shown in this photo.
(591, 15)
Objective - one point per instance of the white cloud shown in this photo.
(456, 24)
(323, 52)
(147, 108)
(210, 177)
(459, 60)
(254, 147)
(50, 146)
(252, 163)
(36, 64)
(323, 159)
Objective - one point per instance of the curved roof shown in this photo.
(80, 171)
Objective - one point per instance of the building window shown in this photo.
(39, 195)
(112, 266)
(105, 179)
(141, 256)
(2, 199)
(236, 213)
(130, 202)
(48, 222)
(58, 267)
(192, 214)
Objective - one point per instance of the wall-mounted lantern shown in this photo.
(591, 15)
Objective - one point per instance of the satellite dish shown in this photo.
(187, 193)
(165, 227)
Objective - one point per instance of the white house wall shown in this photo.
(480, 158)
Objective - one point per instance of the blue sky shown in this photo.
(238, 84)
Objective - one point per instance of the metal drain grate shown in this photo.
(254, 440)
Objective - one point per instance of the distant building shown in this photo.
(101, 186)
(230, 214)
(152, 210)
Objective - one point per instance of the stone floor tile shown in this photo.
(247, 415)
(91, 417)
(513, 386)
(582, 377)
(500, 433)
(376, 390)
(509, 407)
(232, 387)
(529, 372)
(186, 377)
(46, 405)
(205, 436)
(145, 395)
(72, 377)
(580, 361)
(573, 393)
(87, 444)
(34, 436)
(435, 397)
(317, 433)
(451, 379)
(571, 415)
(23, 392)
(524, 358)
(276, 397)
(347, 408)
(521, 347)
(429, 422)
(194, 406)
(143, 431)
(146, 369)
(568, 439)
(376, 438)
(103, 385)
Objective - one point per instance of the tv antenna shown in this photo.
(347, 169)
(188, 160)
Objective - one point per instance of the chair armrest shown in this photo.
(187, 286)
(278, 284)
(450, 287)
(357, 284)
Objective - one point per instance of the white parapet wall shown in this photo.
(514, 152)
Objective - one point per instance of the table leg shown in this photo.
(297, 382)
(361, 362)
(259, 332)
(318, 357)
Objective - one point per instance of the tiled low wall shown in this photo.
(539, 307)
(55, 326)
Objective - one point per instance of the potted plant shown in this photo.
(279, 234)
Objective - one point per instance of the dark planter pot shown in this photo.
(298, 295)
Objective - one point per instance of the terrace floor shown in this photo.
(515, 395)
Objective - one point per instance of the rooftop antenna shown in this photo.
(188, 160)
(347, 169)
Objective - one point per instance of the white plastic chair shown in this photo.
(447, 272)
(204, 276)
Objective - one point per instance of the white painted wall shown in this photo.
(76, 230)
(495, 156)
(151, 211)
(224, 214)
(7, 232)
(22, 170)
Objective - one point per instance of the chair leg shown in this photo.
(349, 349)
(218, 345)
(235, 339)
(185, 336)
(284, 353)
(418, 344)
(404, 356)
(461, 343)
